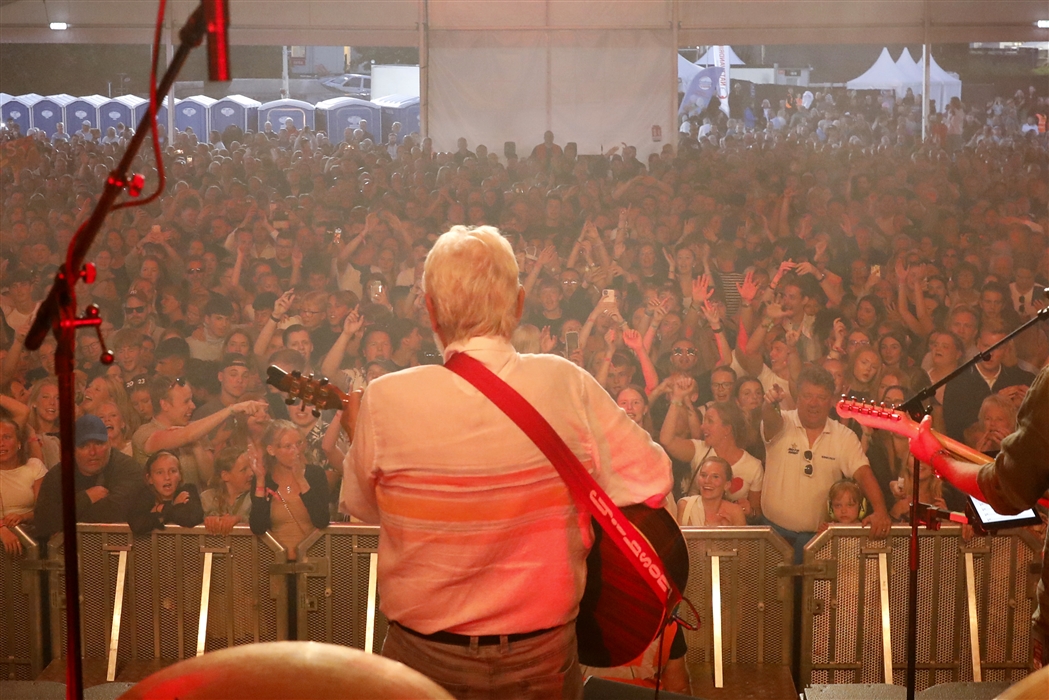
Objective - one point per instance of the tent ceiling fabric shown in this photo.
(396, 22)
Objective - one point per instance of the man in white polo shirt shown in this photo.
(806, 453)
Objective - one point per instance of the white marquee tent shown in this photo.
(708, 58)
(942, 85)
(686, 71)
(886, 75)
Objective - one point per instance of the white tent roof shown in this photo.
(942, 85)
(686, 71)
(708, 58)
(883, 75)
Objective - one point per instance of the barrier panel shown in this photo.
(21, 626)
(170, 595)
(744, 595)
(338, 601)
(974, 607)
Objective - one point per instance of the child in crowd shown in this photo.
(844, 503)
(164, 499)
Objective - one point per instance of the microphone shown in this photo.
(216, 17)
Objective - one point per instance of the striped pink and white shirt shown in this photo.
(479, 533)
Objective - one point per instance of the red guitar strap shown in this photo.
(584, 489)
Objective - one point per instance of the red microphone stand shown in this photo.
(58, 313)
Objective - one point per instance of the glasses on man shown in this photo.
(808, 466)
(135, 309)
(721, 385)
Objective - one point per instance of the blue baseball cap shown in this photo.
(90, 428)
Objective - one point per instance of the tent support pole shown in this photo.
(926, 61)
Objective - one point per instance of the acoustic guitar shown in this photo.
(619, 615)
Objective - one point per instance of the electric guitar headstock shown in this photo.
(314, 391)
(877, 416)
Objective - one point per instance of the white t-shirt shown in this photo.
(16, 487)
(768, 379)
(747, 467)
(793, 499)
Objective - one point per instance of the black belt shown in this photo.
(464, 640)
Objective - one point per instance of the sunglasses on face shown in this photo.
(678, 352)
(134, 309)
(194, 270)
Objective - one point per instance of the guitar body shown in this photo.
(620, 615)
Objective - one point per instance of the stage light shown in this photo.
(1043, 23)
(59, 26)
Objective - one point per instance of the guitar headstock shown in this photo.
(875, 415)
(317, 392)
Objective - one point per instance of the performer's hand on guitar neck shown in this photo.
(926, 447)
(351, 406)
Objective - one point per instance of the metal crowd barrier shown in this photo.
(170, 595)
(974, 607)
(181, 592)
(744, 595)
(21, 626)
(338, 598)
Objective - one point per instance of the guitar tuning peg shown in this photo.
(296, 373)
(323, 381)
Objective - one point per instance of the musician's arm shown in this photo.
(1020, 475)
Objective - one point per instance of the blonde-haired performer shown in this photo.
(482, 551)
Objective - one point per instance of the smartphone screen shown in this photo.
(571, 342)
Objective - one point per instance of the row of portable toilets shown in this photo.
(204, 114)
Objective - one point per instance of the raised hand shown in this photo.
(748, 289)
(283, 303)
(547, 256)
(775, 394)
(546, 340)
(353, 322)
(784, 267)
(774, 312)
(712, 313)
(681, 388)
(249, 408)
(296, 256)
(632, 339)
(701, 289)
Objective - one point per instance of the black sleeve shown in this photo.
(140, 516)
(47, 515)
(188, 514)
(260, 519)
(316, 499)
(124, 479)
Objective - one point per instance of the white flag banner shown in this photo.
(722, 59)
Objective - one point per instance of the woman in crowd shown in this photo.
(289, 496)
(119, 434)
(861, 373)
(705, 503)
(20, 477)
(997, 419)
(749, 395)
(633, 400)
(43, 418)
(724, 427)
(137, 390)
(228, 501)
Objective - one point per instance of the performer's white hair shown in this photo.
(471, 275)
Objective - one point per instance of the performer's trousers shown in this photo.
(545, 667)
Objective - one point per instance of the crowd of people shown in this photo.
(725, 293)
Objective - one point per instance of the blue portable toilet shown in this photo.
(235, 110)
(126, 110)
(275, 112)
(193, 112)
(83, 109)
(399, 108)
(49, 111)
(340, 113)
(19, 109)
